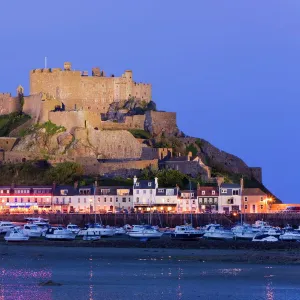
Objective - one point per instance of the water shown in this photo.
(98, 273)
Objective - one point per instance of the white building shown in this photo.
(230, 198)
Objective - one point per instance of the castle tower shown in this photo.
(67, 66)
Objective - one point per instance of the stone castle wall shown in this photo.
(7, 143)
(158, 123)
(119, 144)
(94, 93)
(9, 104)
(131, 122)
(73, 119)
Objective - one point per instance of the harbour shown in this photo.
(91, 273)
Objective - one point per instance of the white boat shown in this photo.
(259, 225)
(43, 225)
(186, 232)
(290, 236)
(144, 232)
(91, 236)
(6, 226)
(216, 232)
(262, 237)
(120, 231)
(15, 235)
(244, 234)
(98, 229)
(273, 232)
(32, 230)
(39, 219)
(59, 233)
(73, 228)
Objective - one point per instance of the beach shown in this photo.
(48, 272)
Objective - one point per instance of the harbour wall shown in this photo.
(162, 220)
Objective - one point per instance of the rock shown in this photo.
(65, 139)
(49, 283)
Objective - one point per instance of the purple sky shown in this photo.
(230, 69)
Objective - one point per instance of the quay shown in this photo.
(160, 219)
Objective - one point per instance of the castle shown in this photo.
(77, 90)
(76, 103)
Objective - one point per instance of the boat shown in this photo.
(43, 225)
(73, 228)
(39, 219)
(98, 229)
(258, 226)
(32, 230)
(290, 236)
(273, 232)
(120, 231)
(59, 233)
(144, 232)
(263, 237)
(15, 235)
(186, 232)
(6, 226)
(91, 236)
(215, 231)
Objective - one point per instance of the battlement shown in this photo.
(78, 90)
(6, 95)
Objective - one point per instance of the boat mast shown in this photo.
(191, 203)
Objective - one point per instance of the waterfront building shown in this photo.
(230, 198)
(254, 200)
(114, 199)
(63, 198)
(144, 194)
(25, 199)
(166, 199)
(187, 201)
(207, 199)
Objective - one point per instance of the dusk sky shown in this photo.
(230, 69)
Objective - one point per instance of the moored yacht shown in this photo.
(186, 232)
(32, 230)
(6, 226)
(264, 237)
(73, 228)
(15, 235)
(290, 236)
(98, 229)
(216, 232)
(59, 233)
(144, 232)
(91, 236)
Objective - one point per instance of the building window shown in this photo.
(246, 206)
(70, 201)
(137, 199)
(149, 183)
(128, 199)
(123, 199)
(261, 207)
(117, 200)
(137, 184)
(202, 192)
(35, 200)
(246, 199)
(111, 199)
(144, 191)
(223, 191)
(104, 199)
(193, 201)
(235, 192)
(137, 191)
(213, 192)
(261, 198)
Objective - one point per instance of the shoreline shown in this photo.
(177, 251)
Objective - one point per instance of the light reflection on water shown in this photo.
(17, 284)
(92, 279)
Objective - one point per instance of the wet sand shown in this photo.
(137, 273)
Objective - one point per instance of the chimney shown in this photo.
(156, 182)
(134, 179)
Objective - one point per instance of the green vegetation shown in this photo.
(50, 129)
(191, 148)
(11, 122)
(140, 134)
(40, 172)
(199, 143)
